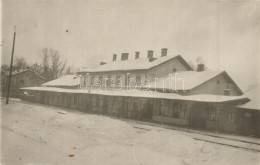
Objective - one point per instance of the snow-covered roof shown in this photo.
(146, 94)
(254, 95)
(65, 81)
(25, 70)
(183, 80)
(134, 64)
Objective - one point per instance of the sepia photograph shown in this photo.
(130, 82)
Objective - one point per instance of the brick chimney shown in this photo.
(137, 55)
(124, 56)
(150, 54)
(200, 68)
(164, 52)
(114, 57)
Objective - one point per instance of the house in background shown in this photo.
(124, 71)
(68, 81)
(25, 78)
(3, 79)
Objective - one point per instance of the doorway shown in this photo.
(199, 116)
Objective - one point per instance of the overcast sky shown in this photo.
(225, 33)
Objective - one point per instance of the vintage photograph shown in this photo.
(130, 82)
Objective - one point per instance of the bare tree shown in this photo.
(57, 65)
(36, 68)
(45, 62)
(199, 60)
(5, 67)
(52, 64)
(20, 64)
(68, 70)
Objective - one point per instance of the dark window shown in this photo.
(227, 86)
(83, 80)
(179, 111)
(92, 80)
(174, 70)
(21, 83)
(75, 99)
(100, 81)
(108, 80)
(226, 92)
(247, 114)
(97, 101)
(118, 80)
(127, 79)
(138, 80)
(211, 114)
(231, 117)
(218, 82)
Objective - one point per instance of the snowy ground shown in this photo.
(34, 134)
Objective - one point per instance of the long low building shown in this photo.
(202, 99)
(203, 111)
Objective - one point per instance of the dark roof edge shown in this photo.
(227, 76)
(182, 60)
(26, 70)
(206, 81)
(109, 71)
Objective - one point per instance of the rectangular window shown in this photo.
(247, 114)
(97, 101)
(92, 80)
(175, 113)
(108, 81)
(83, 80)
(100, 81)
(211, 114)
(226, 92)
(75, 99)
(127, 79)
(179, 111)
(118, 81)
(94, 101)
(182, 114)
(160, 110)
(138, 80)
(157, 109)
(231, 117)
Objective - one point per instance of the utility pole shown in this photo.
(11, 68)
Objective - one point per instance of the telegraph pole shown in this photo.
(11, 68)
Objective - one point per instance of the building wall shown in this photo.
(248, 122)
(24, 79)
(166, 68)
(123, 76)
(215, 86)
(171, 112)
(221, 117)
(155, 72)
(257, 124)
(215, 117)
(226, 122)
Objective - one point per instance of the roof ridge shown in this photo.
(133, 64)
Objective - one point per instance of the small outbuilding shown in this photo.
(25, 78)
